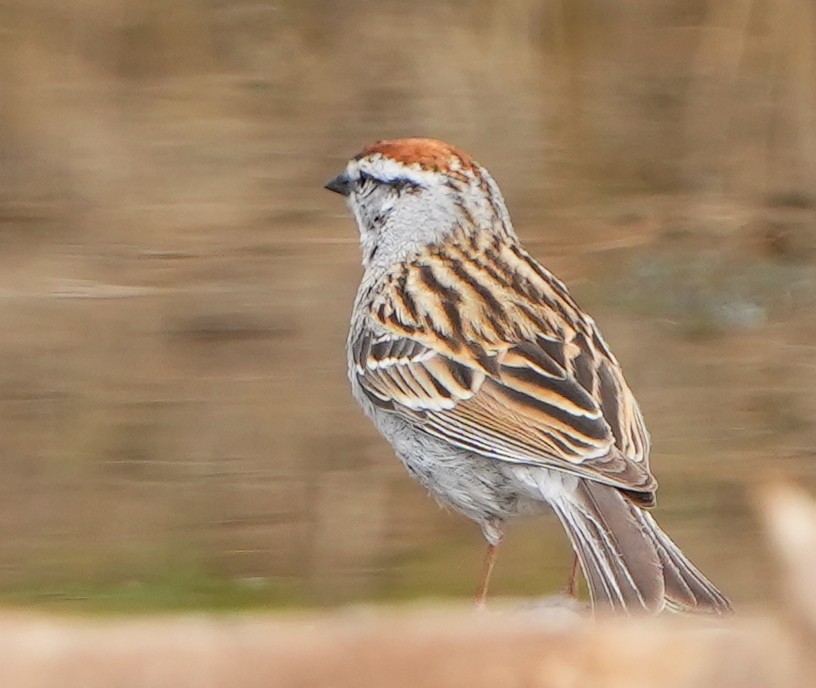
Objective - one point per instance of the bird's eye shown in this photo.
(367, 183)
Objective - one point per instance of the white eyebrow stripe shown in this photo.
(390, 170)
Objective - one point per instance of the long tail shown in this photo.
(629, 563)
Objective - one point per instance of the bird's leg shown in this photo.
(572, 581)
(487, 569)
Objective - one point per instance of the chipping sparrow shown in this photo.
(494, 388)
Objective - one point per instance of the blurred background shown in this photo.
(175, 425)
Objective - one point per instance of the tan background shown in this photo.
(175, 428)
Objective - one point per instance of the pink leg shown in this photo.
(489, 561)
(572, 582)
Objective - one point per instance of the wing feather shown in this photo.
(500, 360)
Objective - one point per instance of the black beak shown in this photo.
(340, 184)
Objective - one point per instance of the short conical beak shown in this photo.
(339, 184)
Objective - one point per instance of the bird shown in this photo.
(494, 388)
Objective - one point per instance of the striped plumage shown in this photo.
(496, 390)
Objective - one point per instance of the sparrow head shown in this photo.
(406, 194)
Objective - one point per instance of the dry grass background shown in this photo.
(175, 429)
(508, 647)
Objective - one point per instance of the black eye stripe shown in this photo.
(400, 184)
(405, 185)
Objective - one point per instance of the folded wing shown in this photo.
(527, 411)
(479, 345)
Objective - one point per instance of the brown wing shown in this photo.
(492, 355)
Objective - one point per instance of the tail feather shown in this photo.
(621, 567)
(687, 589)
(629, 563)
